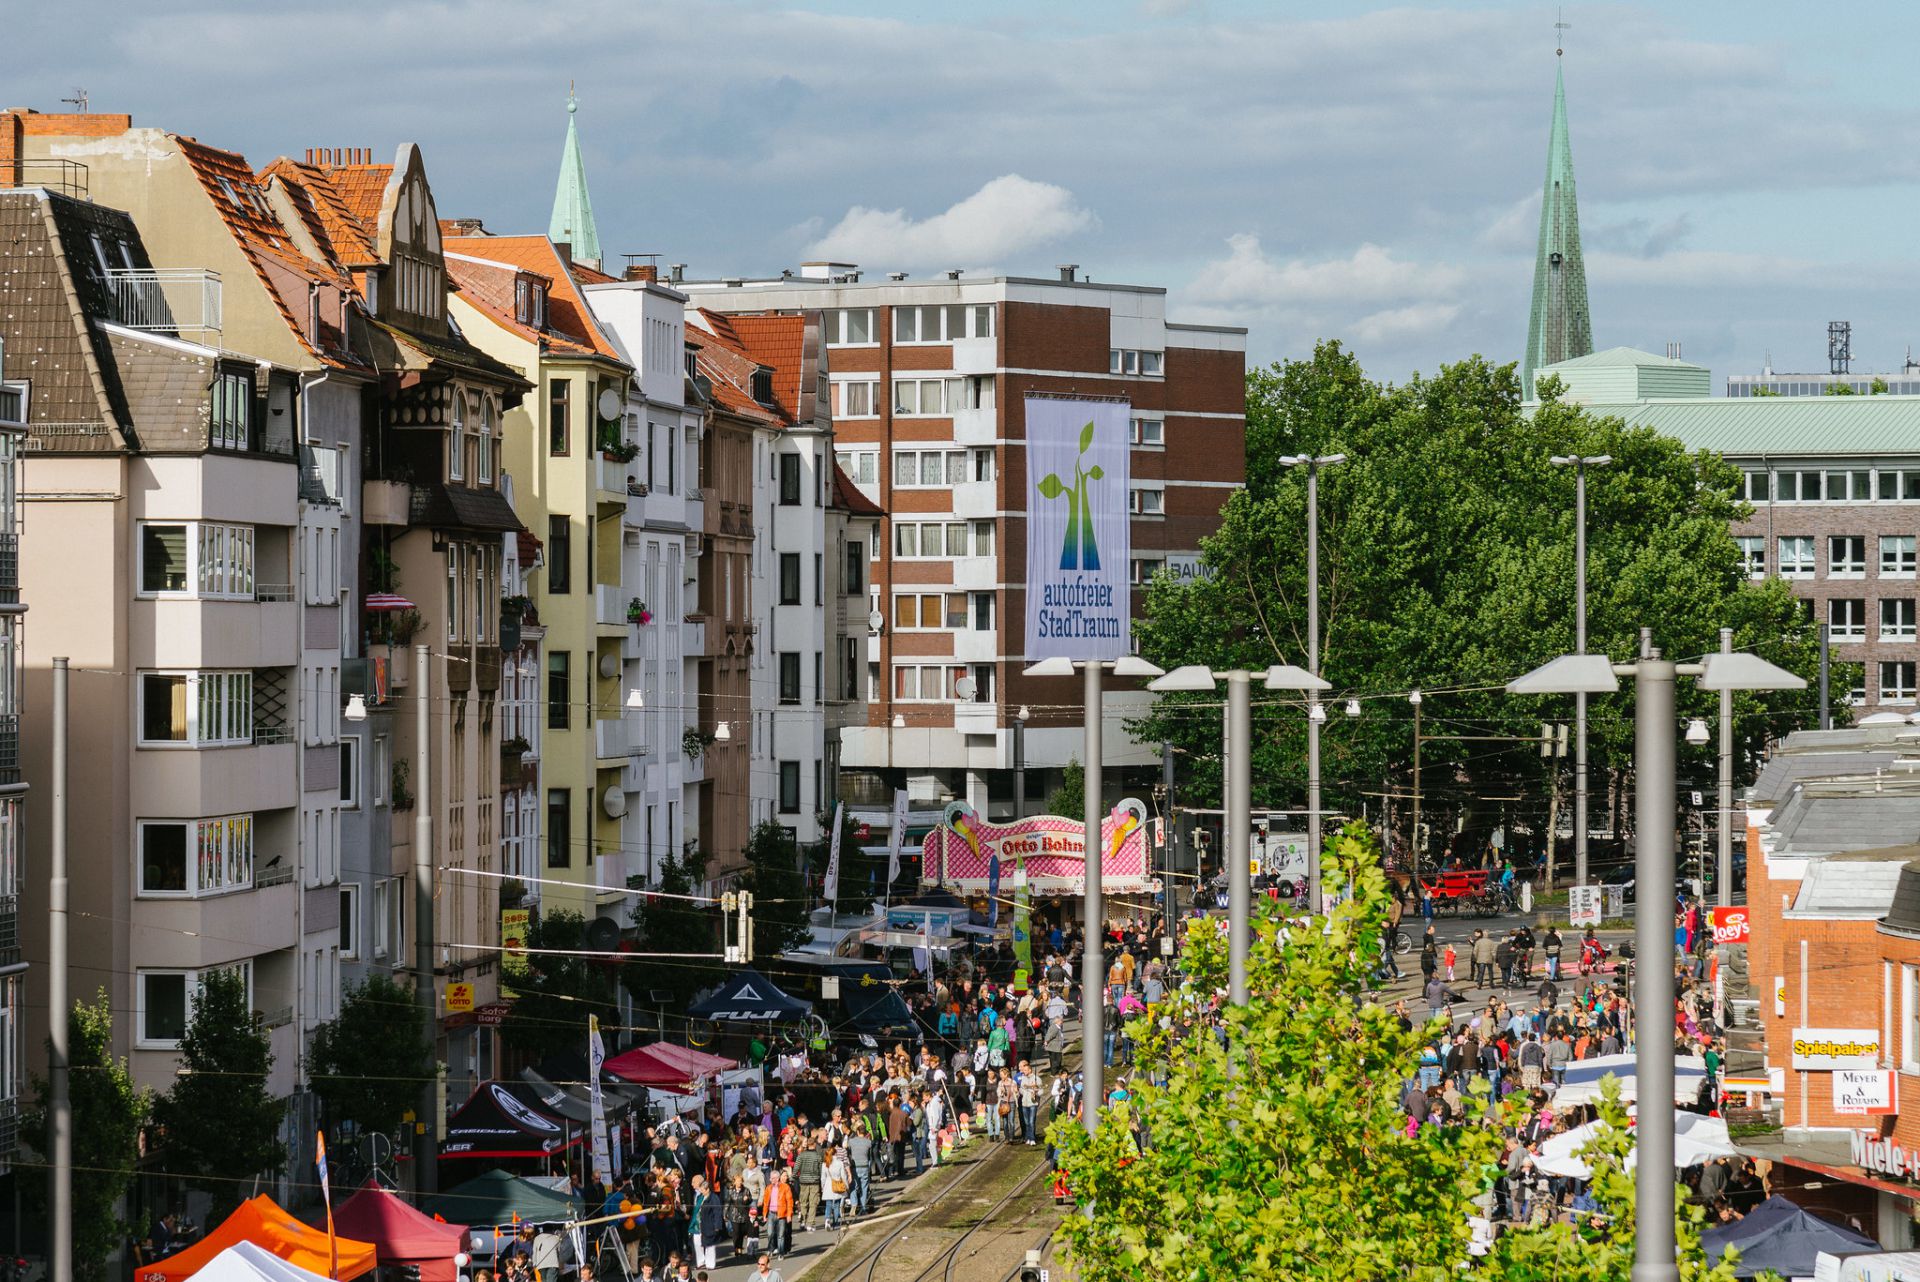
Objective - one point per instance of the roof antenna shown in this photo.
(78, 101)
(1560, 26)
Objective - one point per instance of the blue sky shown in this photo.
(1363, 172)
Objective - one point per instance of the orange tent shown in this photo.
(261, 1221)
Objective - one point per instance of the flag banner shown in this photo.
(326, 1196)
(897, 835)
(596, 1105)
(1078, 528)
(1022, 918)
(993, 893)
(831, 890)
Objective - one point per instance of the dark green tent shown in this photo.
(498, 1197)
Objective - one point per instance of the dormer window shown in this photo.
(230, 425)
(530, 302)
(763, 386)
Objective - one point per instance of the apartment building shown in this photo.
(926, 383)
(518, 299)
(663, 523)
(1834, 484)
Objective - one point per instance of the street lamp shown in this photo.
(1580, 463)
(1316, 714)
(1093, 975)
(1020, 761)
(1237, 800)
(1654, 813)
(1696, 732)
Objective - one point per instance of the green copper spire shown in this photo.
(1559, 328)
(572, 207)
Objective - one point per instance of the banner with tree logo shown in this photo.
(1077, 528)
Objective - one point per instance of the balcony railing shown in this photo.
(271, 732)
(10, 748)
(9, 567)
(180, 300)
(278, 875)
(62, 436)
(278, 1017)
(273, 591)
(10, 1122)
(68, 177)
(9, 933)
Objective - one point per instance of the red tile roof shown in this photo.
(719, 355)
(848, 496)
(334, 226)
(361, 188)
(569, 322)
(777, 342)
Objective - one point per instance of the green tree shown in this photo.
(220, 1124)
(1287, 1156)
(1878, 387)
(107, 1114)
(560, 989)
(670, 924)
(772, 876)
(368, 1062)
(1839, 389)
(1446, 554)
(1070, 798)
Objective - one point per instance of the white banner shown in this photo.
(831, 890)
(1822, 1049)
(1583, 905)
(896, 835)
(596, 1106)
(1078, 535)
(1870, 1091)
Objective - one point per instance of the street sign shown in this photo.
(1583, 905)
(1697, 799)
(1615, 905)
(1872, 1091)
(459, 998)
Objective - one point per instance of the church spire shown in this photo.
(1559, 328)
(572, 208)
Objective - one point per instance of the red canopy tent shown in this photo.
(666, 1067)
(400, 1234)
(261, 1221)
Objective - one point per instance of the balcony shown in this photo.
(976, 718)
(386, 502)
(610, 605)
(610, 478)
(9, 932)
(610, 738)
(184, 301)
(10, 748)
(67, 177)
(9, 568)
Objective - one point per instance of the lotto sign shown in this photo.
(1874, 1092)
(1729, 925)
(1822, 1049)
(1583, 905)
(459, 997)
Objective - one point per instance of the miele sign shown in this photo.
(1872, 1153)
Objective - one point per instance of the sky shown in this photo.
(1372, 176)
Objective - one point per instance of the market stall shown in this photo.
(265, 1224)
(401, 1236)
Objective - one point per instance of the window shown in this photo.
(925, 683)
(789, 578)
(937, 468)
(199, 559)
(13, 401)
(854, 582)
(1849, 487)
(484, 443)
(983, 683)
(1896, 556)
(163, 558)
(1896, 682)
(983, 465)
(559, 416)
(350, 920)
(789, 676)
(1753, 551)
(1910, 1019)
(789, 479)
(231, 423)
(1796, 557)
(983, 611)
(163, 859)
(789, 787)
(193, 857)
(383, 909)
(197, 708)
(1127, 361)
(928, 397)
(1902, 486)
(1847, 619)
(940, 323)
(350, 773)
(1753, 486)
(850, 648)
(848, 326)
(559, 689)
(819, 579)
(859, 398)
(559, 555)
(1846, 556)
(982, 538)
(1149, 432)
(1149, 501)
(381, 771)
(983, 320)
(861, 466)
(559, 827)
(166, 998)
(1145, 567)
(457, 437)
(1896, 619)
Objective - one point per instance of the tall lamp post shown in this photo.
(1316, 715)
(1238, 801)
(1020, 719)
(1655, 808)
(1580, 463)
(1093, 973)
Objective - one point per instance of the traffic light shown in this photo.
(1031, 1270)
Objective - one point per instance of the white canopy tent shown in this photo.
(250, 1262)
(1584, 1076)
(1696, 1139)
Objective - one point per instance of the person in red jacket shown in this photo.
(779, 1209)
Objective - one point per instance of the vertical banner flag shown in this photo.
(993, 889)
(831, 890)
(596, 1105)
(897, 836)
(1022, 923)
(1078, 536)
(326, 1196)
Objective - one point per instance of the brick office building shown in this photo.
(929, 381)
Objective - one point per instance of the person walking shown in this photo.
(1029, 1087)
(806, 1185)
(1550, 947)
(860, 1163)
(836, 1181)
(708, 1223)
(779, 1213)
(1483, 955)
(1055, 1041)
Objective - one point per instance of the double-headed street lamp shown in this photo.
(1580, 463)
(1093, 972)
(1237, 794)
(1316, 715)
(1655, 810)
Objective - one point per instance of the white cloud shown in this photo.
(1247, 276)
(1399, 324)
(1007, 216)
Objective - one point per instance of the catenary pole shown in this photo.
(1314, 900)
(1239, 832)
(425, 991)
(59, 1051)
(1654, 811)
(1093, 972)
(1725, 869)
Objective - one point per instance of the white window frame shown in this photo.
(1897, 629)
(1753, 554)
(1149, 432)
(350, 923)
(232, 841)
(1910, 1019)
(1896, 485)
(352, 753)
(221, 561)
(1896, 693)
(1842, 629)
(1145, 567)
(834, 327)
(949, 673)
(457, 437)
(1898, 552)
(192, 980)
(1840, 566)
(1802, 564)
(1147, 500)
(231, 692)
(843, 407)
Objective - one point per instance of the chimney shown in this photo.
(679, 271)
(1067, 270)
(643, 271)
(953, 273)
(565, 250)
(465, 227)
(896, 276)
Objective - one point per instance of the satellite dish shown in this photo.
(609, 404)
(614, 801)
(875, 622)
(609, 664)
(964, 687)
(603, 935)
